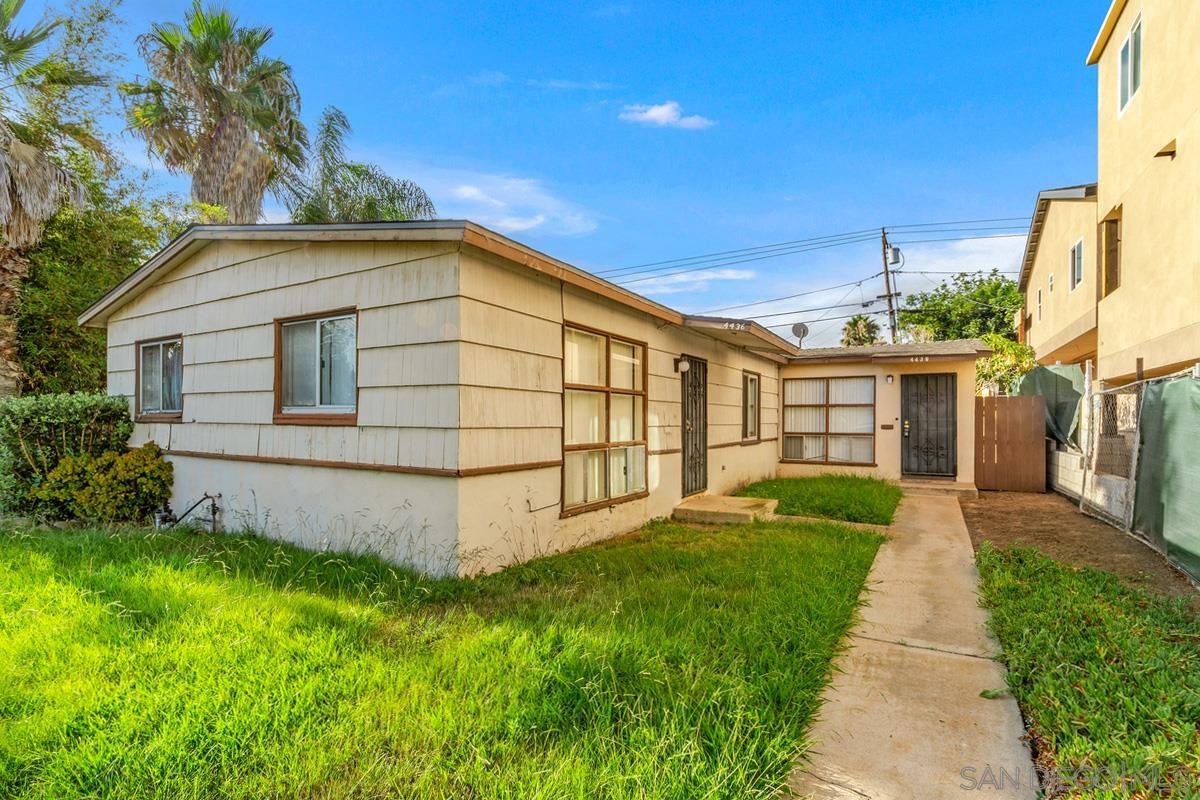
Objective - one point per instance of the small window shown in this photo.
(750, 405)
(829, 420)
(1077, 264)
(1111, 232)
(604, 425)
(160, 377)
(1050, 283)
(318, 365)
(1131, 64)
(1039, 305)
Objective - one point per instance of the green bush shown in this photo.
(37, 432)
(113, 487)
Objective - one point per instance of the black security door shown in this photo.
(930, 431)
(694, 384)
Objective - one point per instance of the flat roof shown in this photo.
(953, 349)
(1084, 191)
(746, 333)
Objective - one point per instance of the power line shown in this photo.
(622, 282)
(792, 296)
(708, 256)
(955, 271)
(959, 238)
(860, 304)
(960, 222)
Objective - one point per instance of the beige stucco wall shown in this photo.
(515, 515)
(887, 412)
(1154, 314)
(1067, 330)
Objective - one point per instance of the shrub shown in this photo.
(113, 487)
(37, 432)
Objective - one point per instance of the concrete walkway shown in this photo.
(903, 716)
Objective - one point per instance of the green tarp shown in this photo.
(1167, 506)
(1063, 388)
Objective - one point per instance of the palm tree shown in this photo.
(34, 139)
(859, 330)
(337, 190)
(216, 108)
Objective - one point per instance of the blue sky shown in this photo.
(611, 134)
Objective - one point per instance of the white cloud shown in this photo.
(968, 255)
(488, 77)
(501, 201)
(558, 83)
(698, 281)
(665, 115)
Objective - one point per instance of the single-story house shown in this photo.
(445, 397)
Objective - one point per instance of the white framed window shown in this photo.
(604, 419)
(751, 398)
(1130, 73)
(1039, 305)
(1077, 264)
(829, 420)
(160, 376)
(318, 364)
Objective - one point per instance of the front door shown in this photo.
(929, 425)
(694, 422)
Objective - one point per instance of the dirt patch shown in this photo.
(1054, 525)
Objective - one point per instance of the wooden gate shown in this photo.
(694, 385)
(1010, 443)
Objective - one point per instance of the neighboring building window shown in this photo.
(1131, 64)
(1039, 305)
(1112, 255)
(604, 418)
(829, 420)
(1077, 264)
(160, 377)
(318, 367)
(751, 396)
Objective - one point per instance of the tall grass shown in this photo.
(673, 663)
(1108, 677)
(854, 498)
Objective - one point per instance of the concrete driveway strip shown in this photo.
(903, 716)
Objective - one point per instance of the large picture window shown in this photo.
(317, 368)
(829, 420)
(604, 424)
(160, 377)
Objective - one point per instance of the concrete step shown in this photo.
(932, 487)
(710, 509)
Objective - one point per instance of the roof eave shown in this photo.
(1106, 30)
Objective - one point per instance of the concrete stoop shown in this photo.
(933, 487)
(708, 509)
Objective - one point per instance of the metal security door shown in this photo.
(694, 385)
(930, 425)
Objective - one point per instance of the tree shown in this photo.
(859, 330)
(216, 108)
(46, 77)
(337, 190)
(83, 253)
(967, 307)
(1007, 364)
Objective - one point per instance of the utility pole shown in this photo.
(887, 285)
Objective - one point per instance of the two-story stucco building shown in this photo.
(1137, 226)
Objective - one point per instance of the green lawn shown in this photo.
(1107, 675)
(847, 497)
(672, 663)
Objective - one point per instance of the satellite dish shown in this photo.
(800, 330)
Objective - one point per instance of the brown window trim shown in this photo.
(757, 437)
(827, 433)
(154, 416)
(278, 416)
(607, 444)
